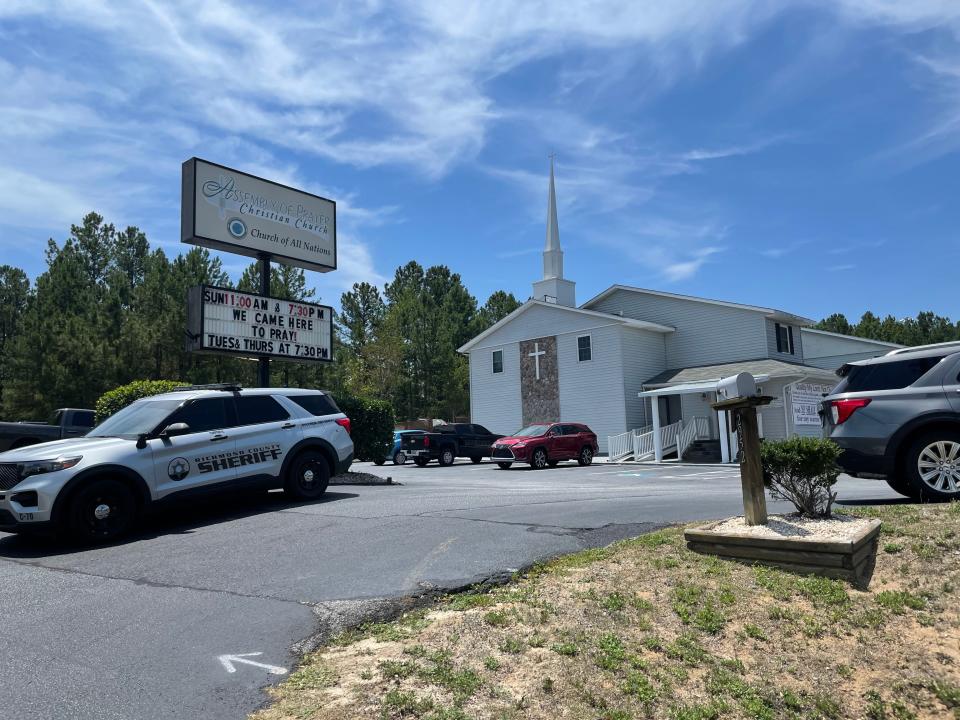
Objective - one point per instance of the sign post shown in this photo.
(740, 399)
(263, 364)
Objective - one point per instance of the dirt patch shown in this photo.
(646, 629)
(360, 478)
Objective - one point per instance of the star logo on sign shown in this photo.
(178, 468)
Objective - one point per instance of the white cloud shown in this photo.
(688, 268)
(39, 203)
(368, 84)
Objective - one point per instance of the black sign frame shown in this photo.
(195, 319)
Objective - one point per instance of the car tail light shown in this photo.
(426, 441)
(841, 410)
(344, 423)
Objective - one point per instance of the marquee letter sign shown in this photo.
(221, 320)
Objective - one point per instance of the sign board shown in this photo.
(221, 320)
(229, 210)
(805, 399)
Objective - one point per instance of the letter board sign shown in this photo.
(229, 210)
(222, 320)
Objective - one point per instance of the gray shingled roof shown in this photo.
(765, 366)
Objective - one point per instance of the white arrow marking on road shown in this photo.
(228, 660)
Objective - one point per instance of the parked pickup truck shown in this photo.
(64, 423)
(448, 442)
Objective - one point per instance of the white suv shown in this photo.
(196, 439)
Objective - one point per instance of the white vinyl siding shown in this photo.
(592, 392)
(705, 334)
(830, 350)
(495, 397)
(644, 355)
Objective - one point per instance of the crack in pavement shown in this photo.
(152, 583)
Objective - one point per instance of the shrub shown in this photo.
(803, 470)
(371, 426)
(118, 398)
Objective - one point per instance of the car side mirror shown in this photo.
(175, 429)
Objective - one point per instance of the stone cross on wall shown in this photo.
(539, 380)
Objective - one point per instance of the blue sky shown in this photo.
(797, 154)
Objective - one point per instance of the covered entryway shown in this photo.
(692, 391)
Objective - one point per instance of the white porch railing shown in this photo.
(675, 436)
(620, 447)
(643, 444)
(703, 428)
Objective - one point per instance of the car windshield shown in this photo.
(143, 416)
(532, 431)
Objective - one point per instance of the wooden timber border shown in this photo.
(851, 560)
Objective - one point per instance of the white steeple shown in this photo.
(553, 288)
(552, 254)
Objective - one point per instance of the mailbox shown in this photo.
(741, 385)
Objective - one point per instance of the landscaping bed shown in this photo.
(842, 547)
(647, 628)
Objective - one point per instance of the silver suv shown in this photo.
(898, 417)
(195, 440)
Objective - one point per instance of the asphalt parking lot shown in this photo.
(139, 629)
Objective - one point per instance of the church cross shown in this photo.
(537, 352)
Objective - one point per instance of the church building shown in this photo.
(641, 366)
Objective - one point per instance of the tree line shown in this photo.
(924, 329)
(108, 310)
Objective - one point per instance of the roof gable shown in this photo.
(767, 312)
(589, 314)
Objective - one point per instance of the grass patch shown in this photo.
(497, 618)
(898, 601)
(645, 629)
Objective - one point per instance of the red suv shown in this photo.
(547, 444)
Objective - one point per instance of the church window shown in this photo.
(784, 338)
(584, 348)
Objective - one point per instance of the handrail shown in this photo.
(643, 444)
(686, 437)
(620, 446)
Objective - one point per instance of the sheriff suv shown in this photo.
(195, 440)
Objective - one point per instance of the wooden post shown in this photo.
(743, 413)
(751, 469)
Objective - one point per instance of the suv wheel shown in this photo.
(307, 476)
(505, 465)
(447, 456)
(933, 465)
(586, 456)
(539, 459)
(101, 511)
(399, 458)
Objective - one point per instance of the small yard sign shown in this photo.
(806, 399)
